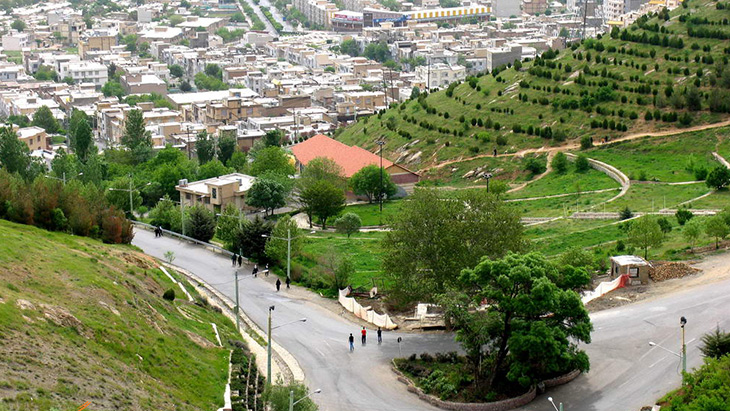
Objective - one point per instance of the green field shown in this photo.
(370, 213)
(656, 196)
(715, 201)
(508, 169)
(602, 88)
(569, 182)
(116, 342)
(666, 159)
(562, 206)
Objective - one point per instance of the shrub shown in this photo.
(169, 295)
(560, 162)
(582, 164)
(715, 344)
(534, 166)
(683, 215)
(426, 357)
(626, 213)
(501, 140)
(586, 142)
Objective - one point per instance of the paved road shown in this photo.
(269, 27)
(626, 373)
(277, 16)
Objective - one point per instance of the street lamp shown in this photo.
(554, 406)
(488, 176)
(288, 248)
(268, 342)
(130, 190)
(682, 323)
(62, 179)
(292, 403)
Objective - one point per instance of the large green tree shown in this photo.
(205, 147)
(14, 154)
(349, 224)
(718, 178)
(716, 227)
(276, 246)
(43, 118)
(227, 145)
(323, 200)
(200, 223)
(645, 232)
(272, 159)
(368, 182)
(230, 222)
(528, 302)
(251, 241)
(435, 236)
(83, 140)
(137, 140)
(266, 193)
(322, 169)
(213, 168)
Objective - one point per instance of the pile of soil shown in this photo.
(667, 271)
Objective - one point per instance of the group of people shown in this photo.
(236, 259)
(158, 231)
(278, 283)
(364, 337)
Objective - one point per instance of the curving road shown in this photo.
(626, 373)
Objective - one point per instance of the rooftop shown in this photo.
(629, 260)
(350, 158)
(201, 187)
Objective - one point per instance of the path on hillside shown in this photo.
(574, 146)
(548, 169)
(625, 372)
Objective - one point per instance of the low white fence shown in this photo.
(365, 313)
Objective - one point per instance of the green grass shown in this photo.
(654, 196)
(14, 56)
(99, 360)
(509, 169)
(715, 201)
(568, 182)
(497, 97)
(370, 213)
(561, 206)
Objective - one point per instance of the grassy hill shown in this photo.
(665, 71)
(83, 321)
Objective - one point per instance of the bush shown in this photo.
(426, 357)
(169, 295)
(626, 213)
(582, 164)
(560, 162)
(534, 166)
(586, 142)
(716, 344)
(501, 140)
(683, 215)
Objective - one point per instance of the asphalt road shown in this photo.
(625, 372)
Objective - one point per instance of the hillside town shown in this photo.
(210, 66)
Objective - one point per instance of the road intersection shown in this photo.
(626, 373)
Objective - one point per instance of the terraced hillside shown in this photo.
(83, 321)
(666, 71)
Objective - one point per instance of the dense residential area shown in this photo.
(279, 205)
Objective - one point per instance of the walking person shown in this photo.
(266, 270)
(380, 336)
(288, 281)
(364, 335)
(234, 259)
(352, 343)
(159, 228)
(255, 270)
(278, 284)
(240, 260)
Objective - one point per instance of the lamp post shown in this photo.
(292, 403)
(555, 406)
(381, 143)
(268, 342)
(63, 175)
(288, 248)
(130, 190)
(488, 176)
(682, 323)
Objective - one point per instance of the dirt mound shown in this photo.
(667, 271)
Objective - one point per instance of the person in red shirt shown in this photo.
(364, 335)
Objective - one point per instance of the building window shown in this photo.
(215, 193)
(187, 196)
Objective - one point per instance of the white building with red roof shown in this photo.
(351, 158)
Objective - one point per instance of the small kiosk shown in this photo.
(635, 267)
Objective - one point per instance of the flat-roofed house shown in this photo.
(351, 158)
(217, 192)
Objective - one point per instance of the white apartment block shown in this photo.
(317, 11)
(85, 72)
(441, 75)
(15, 41)
(497, 56)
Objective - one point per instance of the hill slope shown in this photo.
(664, 71)
(83, 321)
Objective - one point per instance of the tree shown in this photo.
(251, 240)
(350, 47)
(18, 25)
(214, 70)
(664, 224)
(83, 140)
(278, 397)
(276, 248)
(718, 178)
(130, 41)
(683, 215)
(564, 33)
(322, 169)
(576, 257)
(177, 70)
(377, 51)
(14, 154)
(715, 344)
(227, 145)
(185, 86)
(348, 224)
(323, 200)
(166, 215)
(531, 302)
(415, 92)
(581, 163)
(200, 223)
(213, 168)
(267, 194)
(560, 162)
(367, 182)
(272, 159)
(119, 197)
(238, 161)
(716, 227)
(645, 232)
(692, 231)
(273, 137)
(204, 147)
(43, 118)
(435, 236)
(229, 225)
(136, 138)
(113, 88)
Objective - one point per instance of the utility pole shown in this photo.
(288, 253)
(585, 13)
(682, 322)
(238, 317)
(268, 350)
(428, 76)
(380, 194)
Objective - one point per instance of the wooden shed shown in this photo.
(635, 267)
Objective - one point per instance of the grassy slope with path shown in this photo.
(497, 97)
(145, 358)
(569, 182)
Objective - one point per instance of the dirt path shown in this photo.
(548, 169)
(574, 146)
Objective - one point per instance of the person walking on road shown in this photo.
(278, 284)
(266, 270)
(234, 259)
(255, 270)
(288, 281)
(352, 343)
(364, 335)
(240, 261)
(380, 335)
